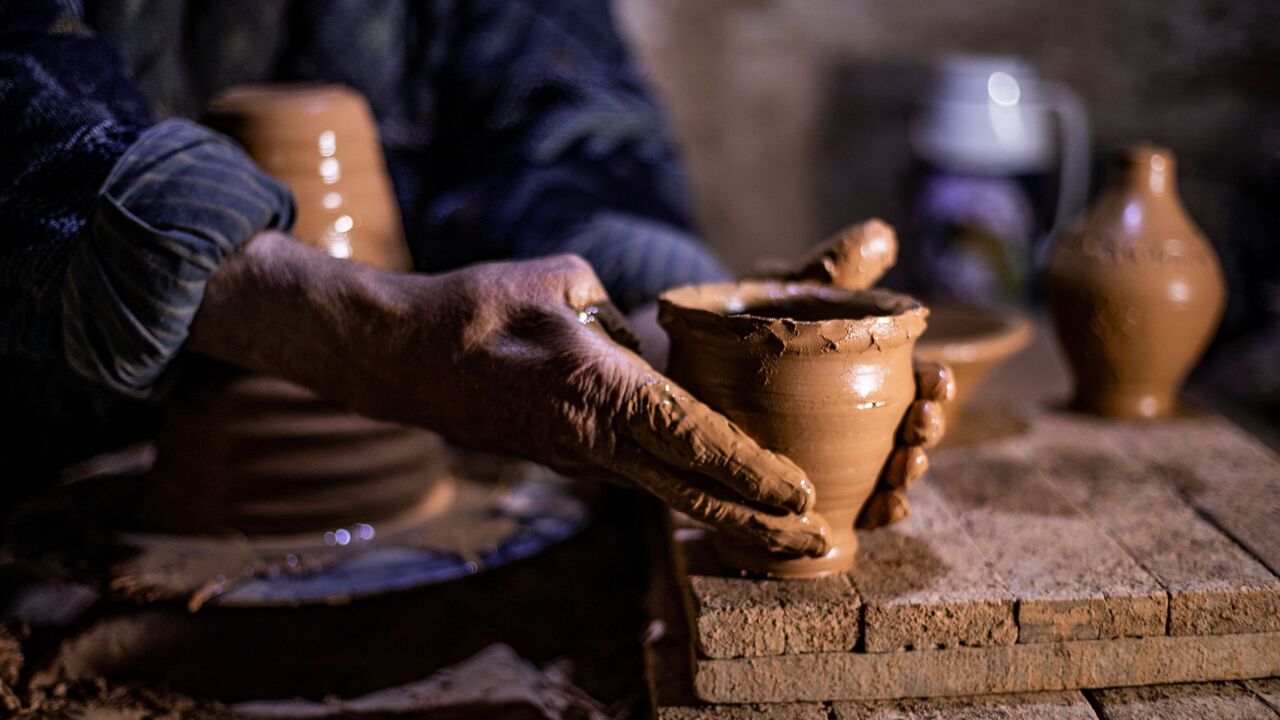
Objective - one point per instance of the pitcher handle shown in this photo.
(1073, 141)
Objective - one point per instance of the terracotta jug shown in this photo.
(245, 453)
(1135, 291)
(816, 373)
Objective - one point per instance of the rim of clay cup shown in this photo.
(720, 309)
(1012, 331)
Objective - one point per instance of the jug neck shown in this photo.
(1146, 170)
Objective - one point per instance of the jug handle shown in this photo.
(1073, 149)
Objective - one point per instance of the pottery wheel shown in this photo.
(473, 519)
(485, 528)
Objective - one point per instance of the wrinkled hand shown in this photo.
(537, 368)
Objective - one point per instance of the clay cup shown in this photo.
(819, 374)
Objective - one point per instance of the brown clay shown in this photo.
(660, 412)
(1135, 291)
(322, 142)
(821, 375)
(972, 341)
(245, 453)
(853, 259)
(254, 454)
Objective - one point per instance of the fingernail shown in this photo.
(925, 424)
(802, 497)
(817, 543)
(818, 546)
(938, 385)
(906, 466)
(948, 387)
(884, 508)
(917, 465)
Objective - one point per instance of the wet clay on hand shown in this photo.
(546, 370)
(853, 259)
(523, 358)
(821, 375)
(1135, 291)
(660, 413)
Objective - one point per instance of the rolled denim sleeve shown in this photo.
(178, 201)
(113, 224)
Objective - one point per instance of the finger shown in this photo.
(854, 258)
(669, 424)
(605, 317)
(924, 424)
(783, 534)
(906, 465)
(883, 508)
(934, 380)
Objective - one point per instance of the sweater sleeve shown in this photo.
(114, 224)
(549, 143)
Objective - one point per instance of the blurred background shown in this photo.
(977, 127)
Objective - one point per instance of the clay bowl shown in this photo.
(819, 374)
(973, 340)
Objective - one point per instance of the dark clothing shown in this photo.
(511, 128)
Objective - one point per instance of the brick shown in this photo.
(1028, 706)
(733, 616)
(1024, 667)
(1214, 586)
(1193, 701)
(668, 659)
(925, 585)
(736, 618)
(1072, 581)
(1219, 469)
(780, 711)
(671, 697)
(820, 615)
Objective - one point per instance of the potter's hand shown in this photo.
(852, 259)
(522, 358)
(540, 363)
(922, 427)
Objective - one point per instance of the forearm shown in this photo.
(281, 308)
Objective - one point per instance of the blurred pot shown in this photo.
(973, 341)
